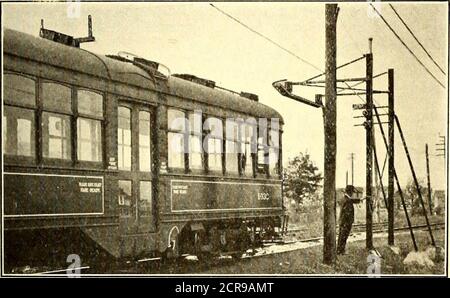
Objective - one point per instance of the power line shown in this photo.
(274, 43)
(410, 31)
(265, 37)
(404, 44)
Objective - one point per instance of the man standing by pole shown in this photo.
(346, 218)
(329, 115)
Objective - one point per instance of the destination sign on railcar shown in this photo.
(52, 195)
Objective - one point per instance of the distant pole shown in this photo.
(369, 145)
(430, 205)
(441, 146)
(391, 167)
(352, 156)
(329, 113)
(346, 178)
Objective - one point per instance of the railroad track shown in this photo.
(360, 227)
(266, 250)
(378, 228)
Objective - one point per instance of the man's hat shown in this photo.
(349, 189)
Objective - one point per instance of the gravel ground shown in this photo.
(309, 259)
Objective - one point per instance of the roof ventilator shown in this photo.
(251, 96)
(153, 68)
(194, 79)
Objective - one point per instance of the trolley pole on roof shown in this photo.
(391, 167)
(329, 113)
(369, 146)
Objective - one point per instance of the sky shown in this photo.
(195, 38)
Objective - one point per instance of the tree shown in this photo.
(302, 180)
(412, 196)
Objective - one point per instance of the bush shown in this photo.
(439, 210)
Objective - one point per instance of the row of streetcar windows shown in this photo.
(48, 121)
(71, 118)
(59, 111)
(221, 146)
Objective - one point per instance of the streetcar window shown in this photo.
(273, 160)
(176, 120)
(177, 128)
(18, 131)
(176, 148)
(56, 130)
(125, 199)
(19, 90)
(56, 141)
(144, 141)
(89, 127)
(124, 138)
(90, 103)
(231, 147)
(56, 97)
(248, 147)
(231, 157)
(145, 198)
(195, 142)
(261, 155)
(195, 152)
(274, 149)
(263, 150)
(214, 137)
(215, 154)
(89, 140)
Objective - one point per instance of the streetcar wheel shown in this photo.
(205, 257)
(201, 240)
(237, 255)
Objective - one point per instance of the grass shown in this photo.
(309, 261)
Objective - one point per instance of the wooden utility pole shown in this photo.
(369, 145)
(329, 114)
(430, 204)
(391, 172)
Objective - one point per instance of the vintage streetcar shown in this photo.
(96, 161)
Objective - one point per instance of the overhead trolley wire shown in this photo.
(265, 37)
(286, 50)
(406, 46)
(421, 45)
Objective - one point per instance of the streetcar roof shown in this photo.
(75, 59)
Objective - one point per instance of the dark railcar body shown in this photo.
(43, 194)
